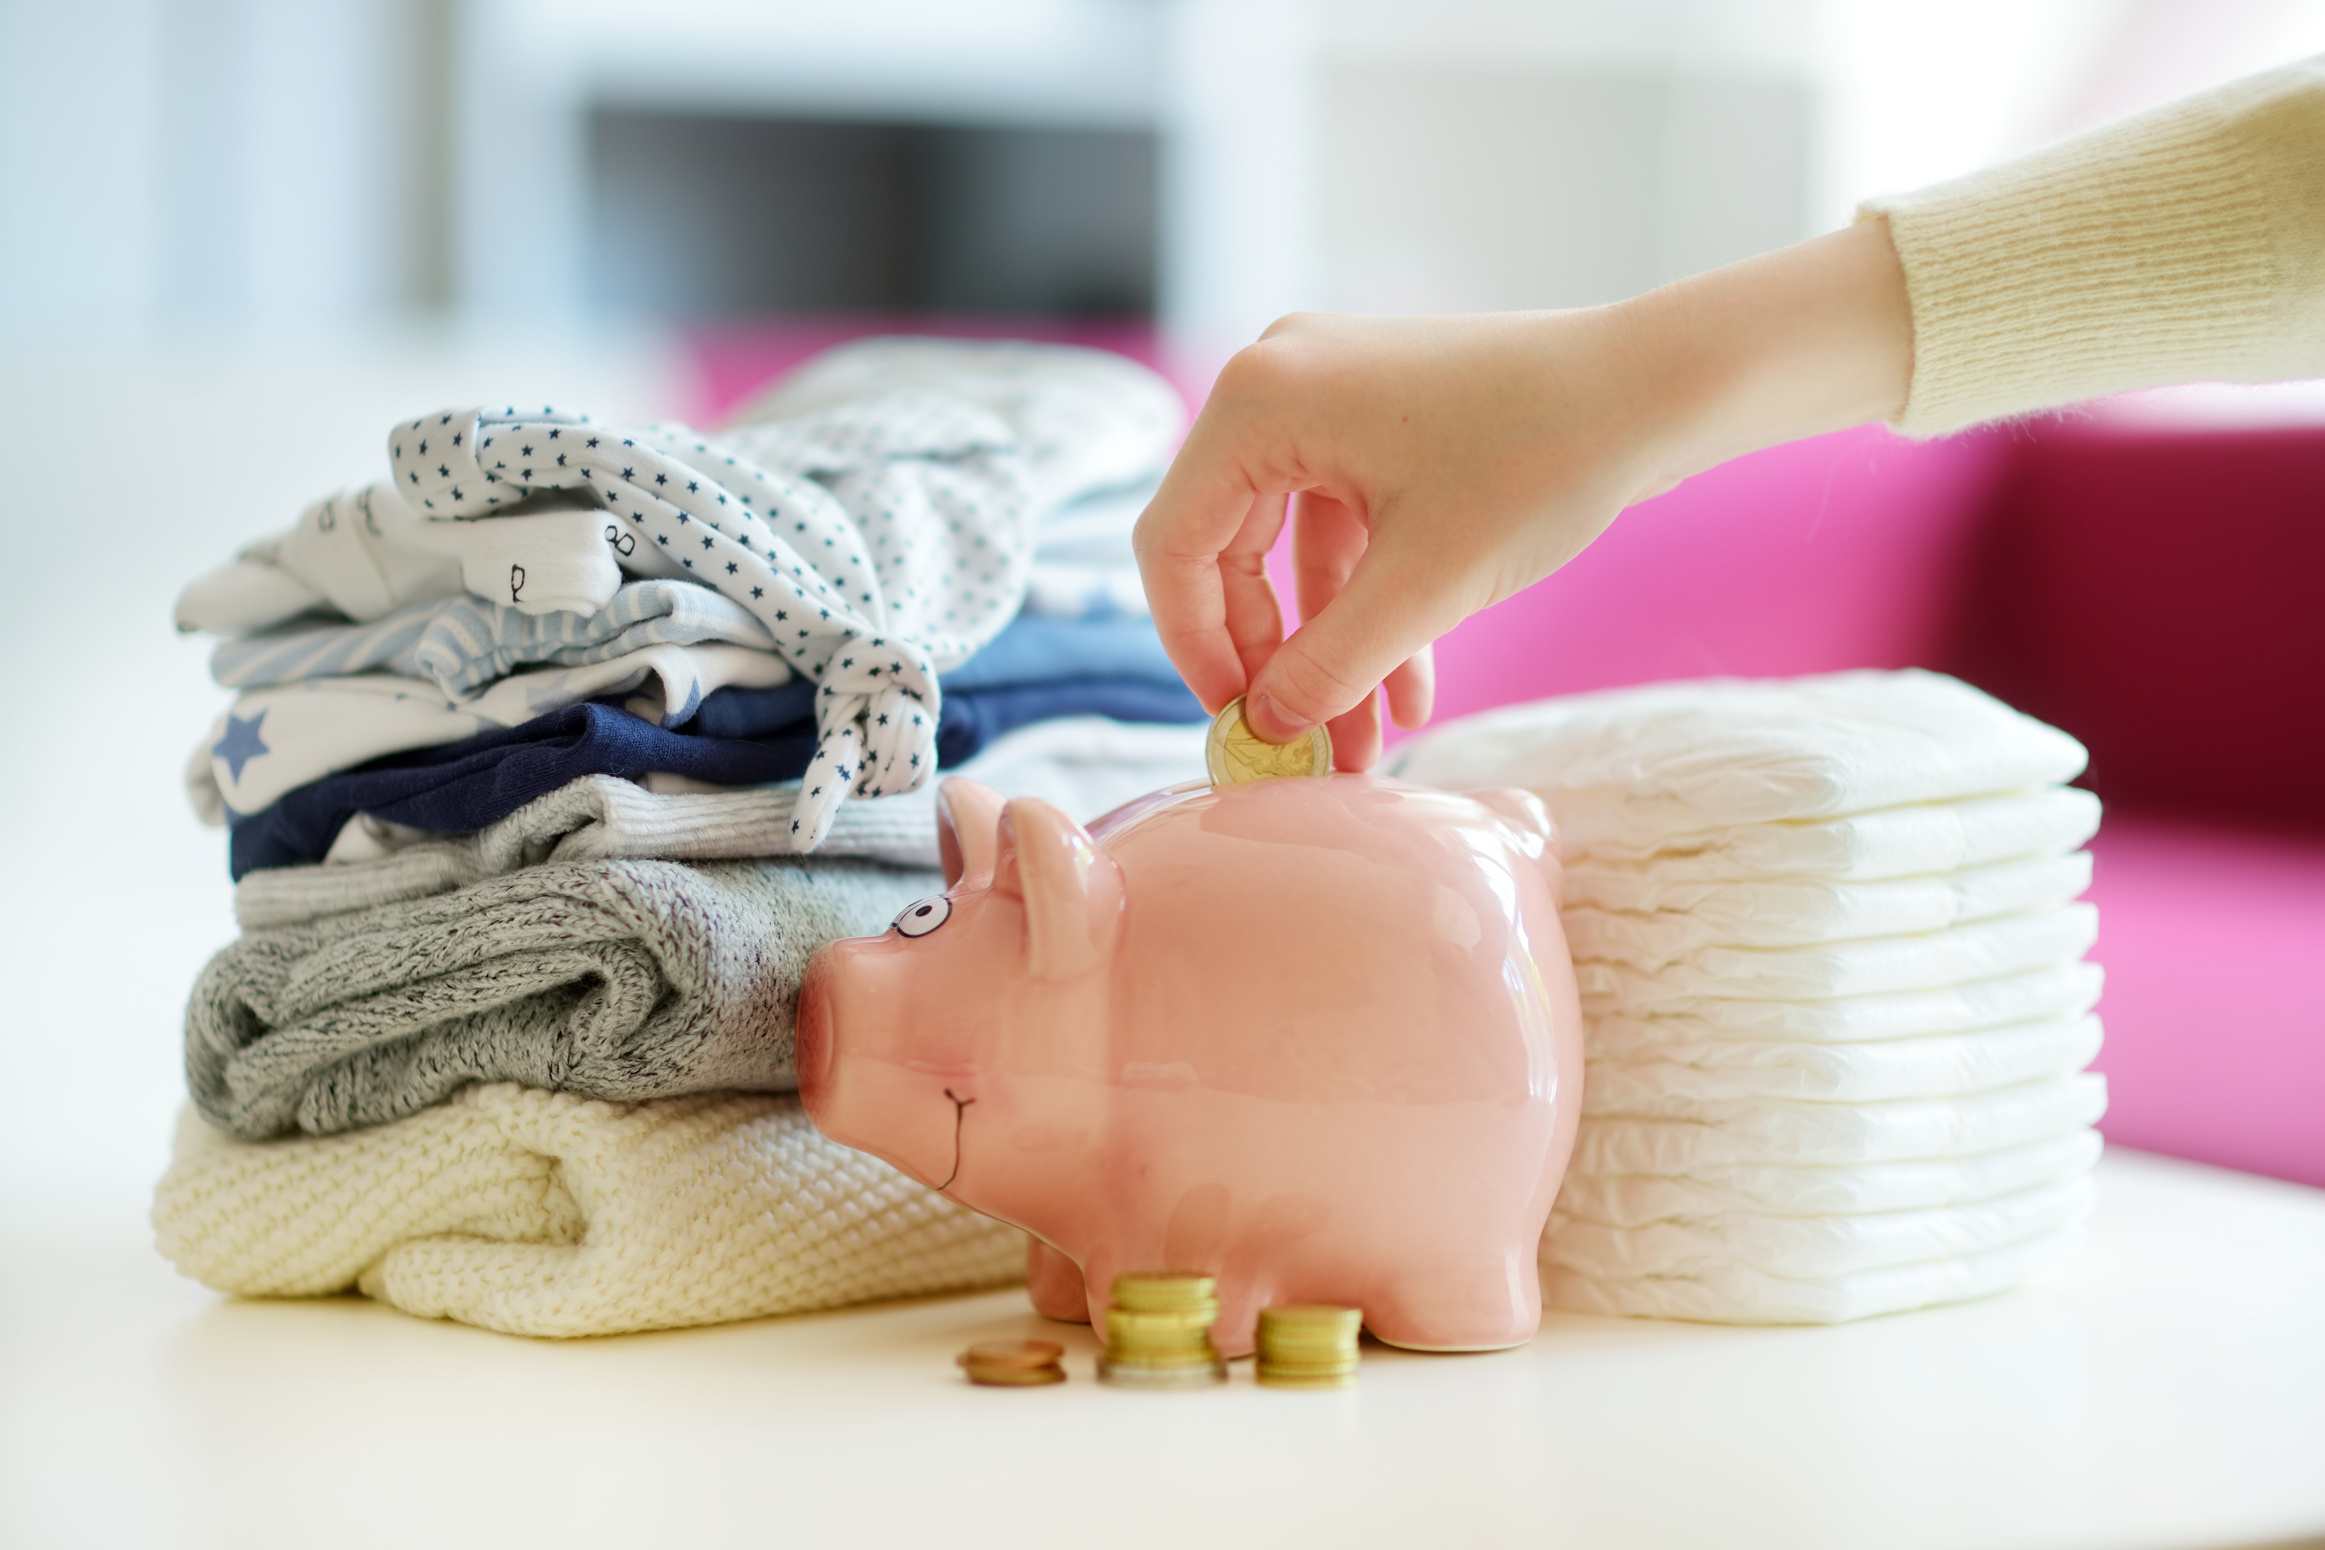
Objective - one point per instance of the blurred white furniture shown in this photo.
(285, 164)
(2164, 1389)
(1377, 155)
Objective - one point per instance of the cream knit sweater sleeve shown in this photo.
(2185, 244)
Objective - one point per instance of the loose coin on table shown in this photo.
(1307, 1345)
(1013, 1363)
(1158, 1332)
(1233, 753)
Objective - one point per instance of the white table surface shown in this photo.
(2166, 1388)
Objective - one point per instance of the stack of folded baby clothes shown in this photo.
(1836, 1015)
(556, 756)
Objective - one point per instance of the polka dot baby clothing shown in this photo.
(1096, 431)
(879, 541)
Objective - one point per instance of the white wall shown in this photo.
(235, 163)
(281, 165)
(1470, 154)
(1468, 187)
(81, 237)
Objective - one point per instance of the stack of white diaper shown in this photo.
(1830, 958)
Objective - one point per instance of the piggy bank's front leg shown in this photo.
(1055, 1284)
(1490, 1304)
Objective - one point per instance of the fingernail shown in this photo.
(1264, 716)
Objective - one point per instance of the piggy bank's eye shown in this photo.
(922, 918)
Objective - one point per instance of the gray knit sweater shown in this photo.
(621, 979)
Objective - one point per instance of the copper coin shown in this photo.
(1016, 1377)
(1010, 1355)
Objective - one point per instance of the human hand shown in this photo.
(1435, 465)
(1438, 465)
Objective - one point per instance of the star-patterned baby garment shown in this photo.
(278, 739)
(870, 609)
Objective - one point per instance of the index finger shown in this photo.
(1202, 547)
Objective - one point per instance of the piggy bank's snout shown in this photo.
(867, 1075)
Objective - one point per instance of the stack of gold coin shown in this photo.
(1307, 1345)
(1233, 753)
(1158, 1332)
(1013, 1364)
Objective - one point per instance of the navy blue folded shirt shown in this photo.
(740, 737)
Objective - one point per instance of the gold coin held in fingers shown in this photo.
(1233, 753)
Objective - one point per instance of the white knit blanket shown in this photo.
(539, 1213)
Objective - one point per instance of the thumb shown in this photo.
(1334, 661)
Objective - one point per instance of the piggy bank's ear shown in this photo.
(1528, 826)
(1072, 890)
(968, 831)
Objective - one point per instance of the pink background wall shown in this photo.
(1833, 553)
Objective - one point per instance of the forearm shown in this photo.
(2182, 245)
(2187, 244)
(1812, 338)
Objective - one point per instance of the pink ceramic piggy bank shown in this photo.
(1318, 1037)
